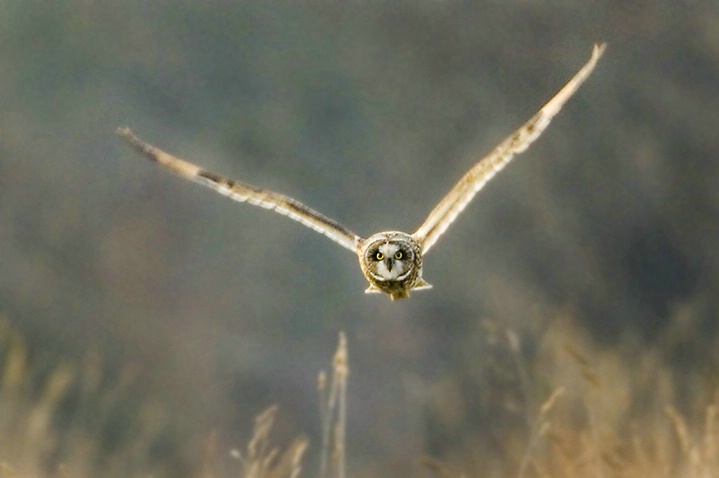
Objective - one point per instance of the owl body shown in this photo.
(391, 261)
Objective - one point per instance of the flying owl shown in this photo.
(391, 261)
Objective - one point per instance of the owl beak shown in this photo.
(389, 263)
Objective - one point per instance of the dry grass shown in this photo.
(262, 460)
(333, 412)
(613, 413)
(55, 420)
(601, 412)
(591, 412)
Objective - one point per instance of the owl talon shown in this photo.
(423, 285)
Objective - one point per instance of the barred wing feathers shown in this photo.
(242, 192)
(453, 203)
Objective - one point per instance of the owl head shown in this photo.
(392, 263)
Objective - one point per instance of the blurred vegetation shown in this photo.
(190, 313)
(589, 415)
(77, 419)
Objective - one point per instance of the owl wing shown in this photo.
(453, 203)
(245, 193)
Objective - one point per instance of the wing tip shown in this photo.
(141, 147)
(126, 133)
(598, 50)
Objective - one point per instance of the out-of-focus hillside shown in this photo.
(369, 112)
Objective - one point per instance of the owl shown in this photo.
(391, 261)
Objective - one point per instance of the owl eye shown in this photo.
(379, 256)
(398, 255)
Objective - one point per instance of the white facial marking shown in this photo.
(398, 269)
(388, 249)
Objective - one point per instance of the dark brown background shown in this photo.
(368, 111)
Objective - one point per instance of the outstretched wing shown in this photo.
(453, 203)
(245, 193)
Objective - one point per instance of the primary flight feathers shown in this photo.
(395, 275)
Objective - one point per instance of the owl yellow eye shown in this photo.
(379, 256)
(398, 255)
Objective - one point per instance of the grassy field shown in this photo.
(589, 411)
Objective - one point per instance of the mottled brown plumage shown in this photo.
(392, 263)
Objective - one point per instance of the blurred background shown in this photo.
(368, 111)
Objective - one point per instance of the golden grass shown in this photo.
(333, 413)
(612, 413)
(599, 412)
(54, 420)
(262, 460)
